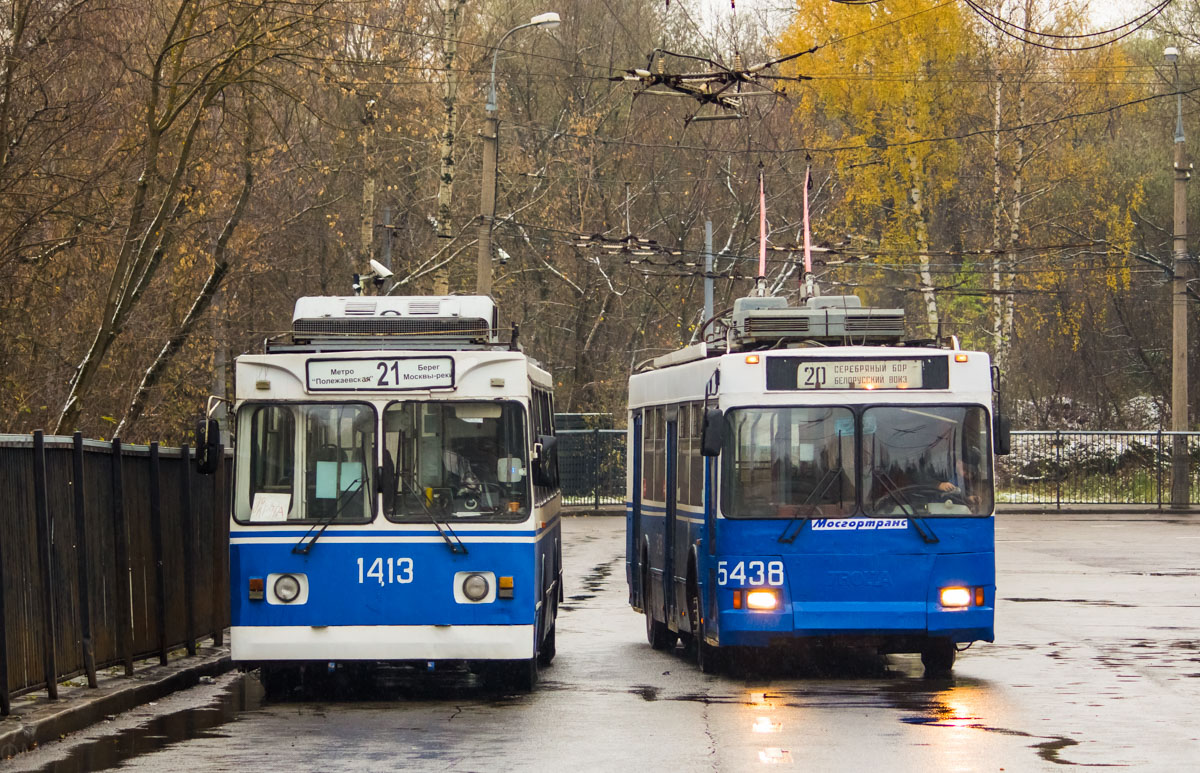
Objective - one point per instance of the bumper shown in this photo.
(381, 642)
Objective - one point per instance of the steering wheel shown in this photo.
(920, 493)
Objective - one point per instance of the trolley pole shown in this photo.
(1180, 472)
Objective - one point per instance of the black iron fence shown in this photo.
(108, 554)
(1095, 468)
(591, 467)
(1045, 468)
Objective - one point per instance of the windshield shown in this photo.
(305, 463)
(789, 462)
(926, 460)
(462, 460)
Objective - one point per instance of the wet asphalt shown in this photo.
(1097, 664)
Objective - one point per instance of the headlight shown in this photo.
(287, 588)
(761, 599)
(955, 597)
(475, 587)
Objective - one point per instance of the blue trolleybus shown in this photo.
(396, 496)
(806, 474)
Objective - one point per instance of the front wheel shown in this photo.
(547, 651)
(938, 657)
(510, 675)
(710, 659)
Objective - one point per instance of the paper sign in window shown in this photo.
(270, 507)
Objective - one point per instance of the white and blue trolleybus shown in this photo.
(807, 475)
(395, 495)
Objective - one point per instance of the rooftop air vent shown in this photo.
(830, 319)
(442, 321)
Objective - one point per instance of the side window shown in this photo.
(683, 451)
(697, 459)
(273, 440)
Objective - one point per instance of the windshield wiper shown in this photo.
(823, 485)
(452, 541)
(897, 496)
(320, 526)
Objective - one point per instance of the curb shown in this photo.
(81, 707)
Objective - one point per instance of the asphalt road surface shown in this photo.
(1097, 663)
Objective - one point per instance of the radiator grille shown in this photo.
(404, 326)
(891, 323)
(776, 326)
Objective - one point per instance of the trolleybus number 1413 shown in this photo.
(750, 572)
(399, 571)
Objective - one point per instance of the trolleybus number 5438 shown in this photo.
(750, 572)
(399, 571)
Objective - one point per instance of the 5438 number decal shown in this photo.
(750, 573)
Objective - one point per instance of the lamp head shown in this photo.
(1171, 54)
(548, 20)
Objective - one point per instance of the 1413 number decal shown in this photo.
(396, 570)
(750, 572)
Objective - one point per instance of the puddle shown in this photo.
(1088, 602)
(160, 732)
(594, 581)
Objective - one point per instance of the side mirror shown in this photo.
(545, 462)
(1001, 435)
(712, 437)
(209, 451)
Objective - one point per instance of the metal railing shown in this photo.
(1058, 467)
(591, 467)
(108, 554)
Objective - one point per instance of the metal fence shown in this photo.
(1094, 468)
(591, 467)
(108, 554)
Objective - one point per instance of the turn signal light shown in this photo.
(761, 599)
(960, 358)
(955, 597)
(257, 589)
(751, 359)
(504, 587)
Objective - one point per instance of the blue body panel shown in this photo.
(879, 585)
(337, 597)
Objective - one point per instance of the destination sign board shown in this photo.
(798, 373)
(380, 374)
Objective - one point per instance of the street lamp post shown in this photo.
(1180, 472)
(491, 150)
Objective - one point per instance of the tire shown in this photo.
(278, 681)
(547, 651)
(509, 675)
(657, 633)
(938, 657)
(710, 659)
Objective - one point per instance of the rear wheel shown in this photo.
(938, 657)
(657, 633)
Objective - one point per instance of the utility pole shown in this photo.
(1180, 472)
(491, 151)
(708, 268)
(487, 202)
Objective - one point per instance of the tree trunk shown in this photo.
(200, 303)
